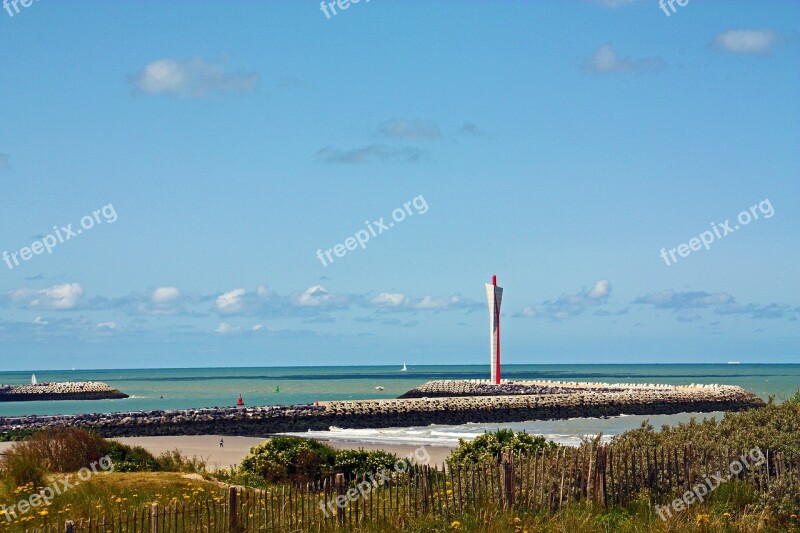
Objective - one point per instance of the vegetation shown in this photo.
(282, 459)
(15, 435)
(141, 479)
(775, 427)
(489, 447)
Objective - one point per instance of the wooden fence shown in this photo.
(542, 482)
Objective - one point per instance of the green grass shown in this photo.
(108, 494)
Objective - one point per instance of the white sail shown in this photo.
(33, 380)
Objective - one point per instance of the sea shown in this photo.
(186, 388)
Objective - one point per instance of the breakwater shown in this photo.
(88, 390)
(263, 421)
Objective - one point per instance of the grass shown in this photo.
(732, 508)
(109, 494)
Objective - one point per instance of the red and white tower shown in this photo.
(494, 295)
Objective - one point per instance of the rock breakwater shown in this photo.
(580, 401)
(88, 390)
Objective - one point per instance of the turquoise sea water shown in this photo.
(162, 389)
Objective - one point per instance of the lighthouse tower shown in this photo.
(494, 296)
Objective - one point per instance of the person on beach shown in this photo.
(221, 443)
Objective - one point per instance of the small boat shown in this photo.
(734, 363)
(404, 369)
(378, 388)
(277, 390)
(33, 380)
(240, 401)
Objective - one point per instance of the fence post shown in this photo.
(508, 479)
(425, 475)
(154, 518)
(69, 527)
(232, 510)
(339, 492)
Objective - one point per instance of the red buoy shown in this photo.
(240, 402)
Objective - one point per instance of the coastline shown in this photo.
(583, 401)
(236, 448)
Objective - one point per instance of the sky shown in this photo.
(272, 184)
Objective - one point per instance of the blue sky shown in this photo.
(559, 145)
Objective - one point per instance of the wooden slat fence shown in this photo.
(545, 481)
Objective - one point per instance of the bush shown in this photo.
(489, 446)
(131, 458)
(783, 497)
(174, 461)
(63, 449)
(22, 467)
(794, 398)
(289, 459)
(358, 463)
(295, 459)
(774, 427)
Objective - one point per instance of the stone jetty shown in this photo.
(87, 390)
(554, 400)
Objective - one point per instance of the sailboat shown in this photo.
(405, 368)
(33, 380)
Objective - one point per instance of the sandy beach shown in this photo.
(236, 448)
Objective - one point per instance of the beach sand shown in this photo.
(236, 448)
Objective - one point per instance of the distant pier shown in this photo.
(86, 390)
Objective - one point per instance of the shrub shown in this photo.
(174, 461)
(131, 458)
(782, 497)
(774, 427)
(794, 398)
(290, 459)
(21, 466)
(282, 459)
(360, 462)
(489, 446)
(65, 449)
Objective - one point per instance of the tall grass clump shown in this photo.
(21, 466)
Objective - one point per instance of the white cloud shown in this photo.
(388, 299)
(373, 152)
(685, 302)
(429, 302)
(55, 297)
(601, 289)
(605, 61)
(318, 296)
(258, 327)
(409, 129)
(568, 305)
(226, 329)
(40, 320)
(745, 41)
(163, 295)
(107, 325)
(192, 78)
(230, 302)
(263, 292)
